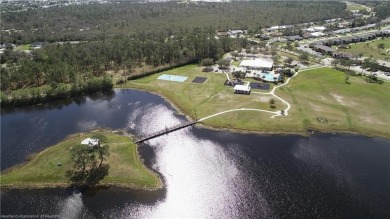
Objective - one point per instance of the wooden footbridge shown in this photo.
(165, 131)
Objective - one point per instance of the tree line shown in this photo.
(65, 70)
(98, 21)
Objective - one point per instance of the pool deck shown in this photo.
(269, 76)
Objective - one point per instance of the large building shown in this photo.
(257, 64)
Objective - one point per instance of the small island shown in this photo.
(47, 169)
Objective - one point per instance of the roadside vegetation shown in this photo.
(48, 168)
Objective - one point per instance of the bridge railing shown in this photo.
(164, 131)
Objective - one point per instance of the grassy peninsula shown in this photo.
(47, 168)
(320, 100)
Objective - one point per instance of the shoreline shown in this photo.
(101, 185)
(305, 133)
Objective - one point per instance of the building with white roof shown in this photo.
(257, 64)
(243, 88)
(317, 34)
(90, 142)
(322, 28)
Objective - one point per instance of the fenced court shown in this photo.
(260, 86)
(199, 80)
(176, 78)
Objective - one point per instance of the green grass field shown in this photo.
(355, 7)
(43, 170)
(356, 107)
(23, 47)
(371, 49)
(201, 100)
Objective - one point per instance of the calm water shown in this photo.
(207, 174)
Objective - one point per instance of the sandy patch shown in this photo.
(338, 98)
(367, 119)
(263, 98)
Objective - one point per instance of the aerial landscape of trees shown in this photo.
(99, 21)
(130, 39)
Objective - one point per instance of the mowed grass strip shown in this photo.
(47, 169)
(357, 107)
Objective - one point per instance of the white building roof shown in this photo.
(241, 87)
(90, 141)
(235, 31)
(317, 34)
(310, 29)
(319, 28)
(257, 63)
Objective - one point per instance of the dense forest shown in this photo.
(382, 10)
(98, 21)
(128, 39)
(66, 70)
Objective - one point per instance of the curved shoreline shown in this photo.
(306, 132)
(42, 185)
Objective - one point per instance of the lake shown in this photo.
(206, 173)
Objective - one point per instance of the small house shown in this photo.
(242, 88)
(324, 49)
(91, 142)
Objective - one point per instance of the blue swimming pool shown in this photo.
(269, 76)
(176, 78)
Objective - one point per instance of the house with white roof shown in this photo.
(257, 64)
(90, 142)
(242, 88)
(319, 29)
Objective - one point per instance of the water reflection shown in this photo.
(213, 174)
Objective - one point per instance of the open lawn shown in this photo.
(371, 49)
(294, 57)
(23, 47)
(356, 107)
(355, 7)
(47, 169)
(201, 100)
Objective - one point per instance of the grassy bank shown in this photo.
(356, 107)
(47, 169)
(321, 93)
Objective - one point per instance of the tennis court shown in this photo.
(260, 86)
(199, 80)
(176, 78)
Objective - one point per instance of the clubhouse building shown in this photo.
(257, 64)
